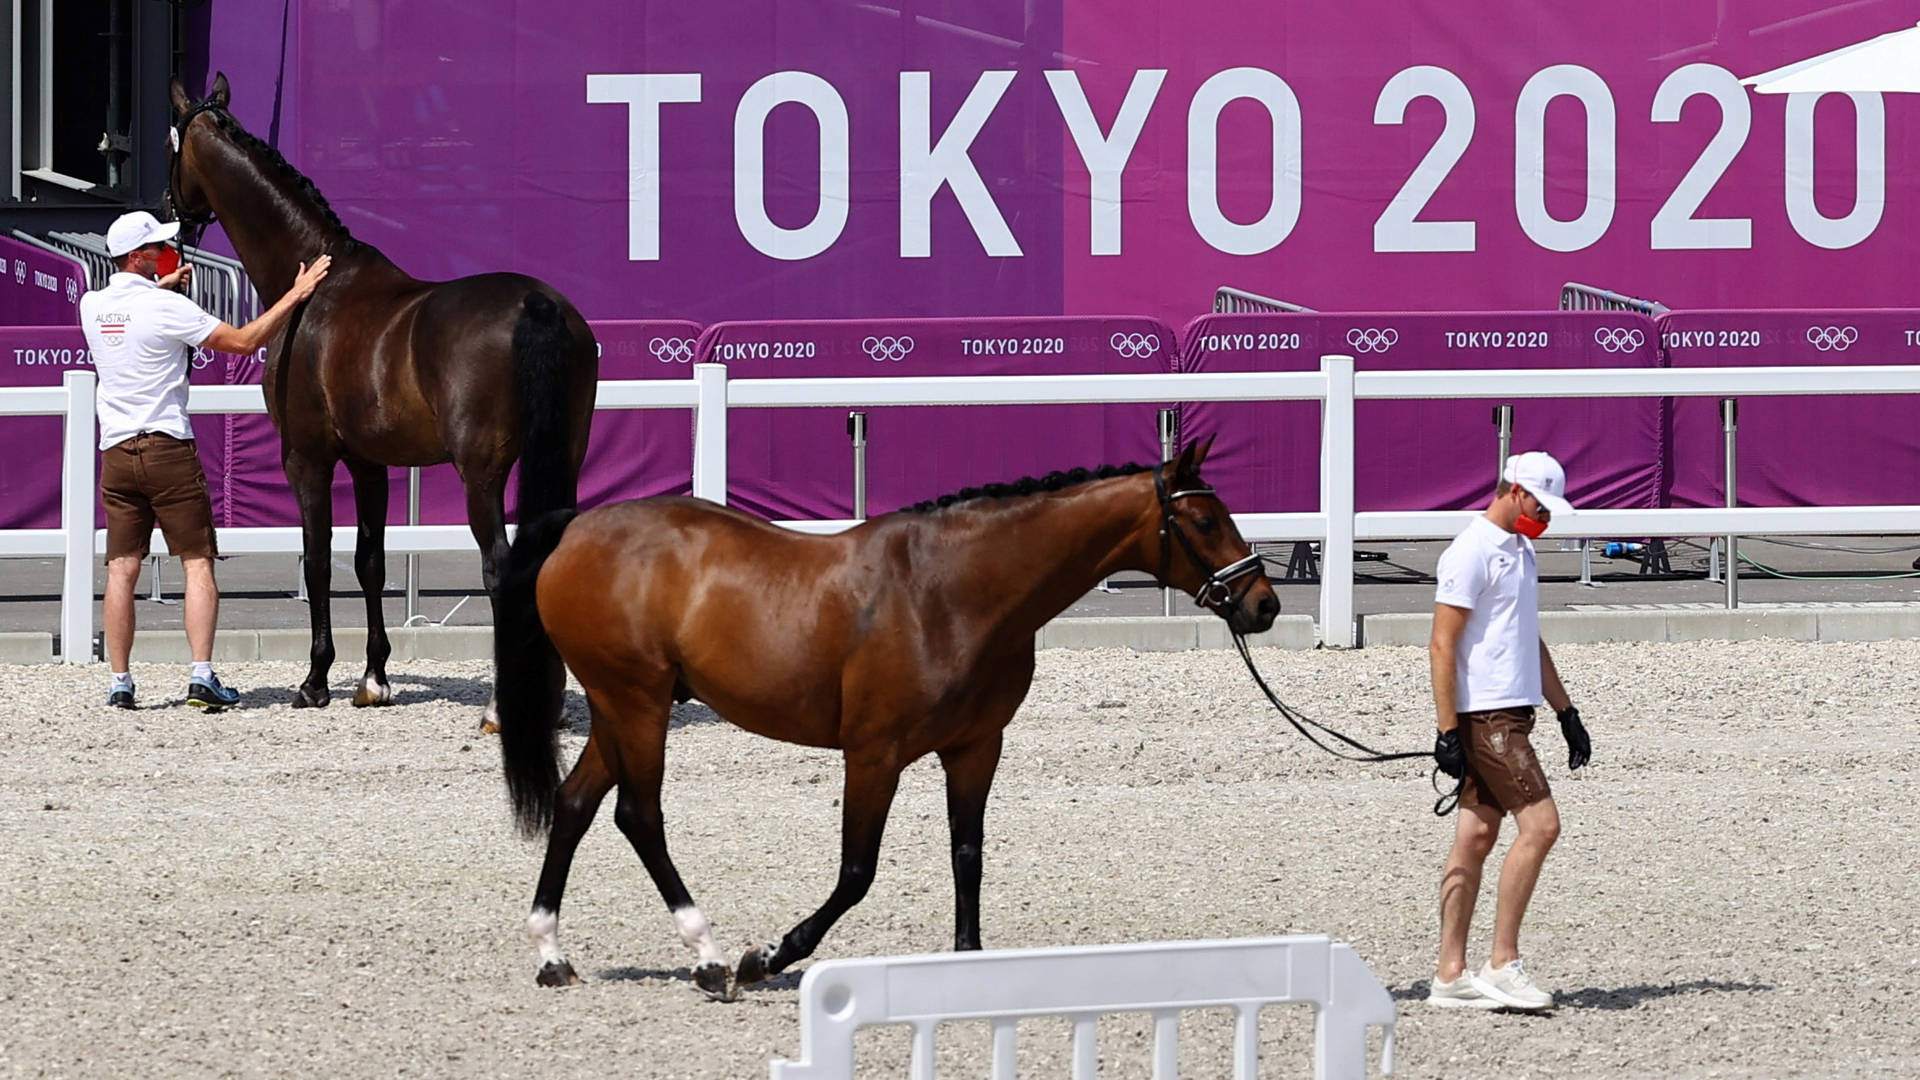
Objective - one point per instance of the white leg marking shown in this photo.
(697, 935)
(544, 927)
(371, 687)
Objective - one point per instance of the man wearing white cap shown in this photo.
(142, 331)
(1490, 668)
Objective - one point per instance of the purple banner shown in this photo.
(798, 463)
(37, 287)
(1795, 451)
(754, 159)
(1429, 454)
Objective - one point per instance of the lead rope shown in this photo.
(1300, 721)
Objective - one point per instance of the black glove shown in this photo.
(1579, 746)
(1448, 754)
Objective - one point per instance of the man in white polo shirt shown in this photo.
(1490, 668)
(142, 333)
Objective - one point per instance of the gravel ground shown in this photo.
(267, 892)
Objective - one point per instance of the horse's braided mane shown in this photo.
(246, 140)
(1030, 485)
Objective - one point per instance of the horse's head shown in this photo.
(191, 138)
(1201, 551)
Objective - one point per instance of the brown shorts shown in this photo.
(1502, 771)
(156, 478)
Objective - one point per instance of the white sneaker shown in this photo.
(1512, 987)
(1458, 994)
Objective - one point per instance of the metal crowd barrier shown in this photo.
(1577, 297)
(219, 285)
(1239, 301)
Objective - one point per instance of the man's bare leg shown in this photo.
(1473, 838)
(202, 604)
(1539, 828)
(123, 573)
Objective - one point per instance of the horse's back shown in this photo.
(482, 310)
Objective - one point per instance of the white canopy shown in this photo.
(1889, 63)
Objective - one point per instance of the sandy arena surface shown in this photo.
(272, 893)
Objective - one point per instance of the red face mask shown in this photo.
(167, 261)
(1531, 528)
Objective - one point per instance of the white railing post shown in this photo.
(77, 499)
(1336, 502)
(710, 432)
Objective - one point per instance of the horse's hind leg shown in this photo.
(311, 478)
(487, 518)
(573, 808)
(370, 565)
(871, 782)
(642, 742)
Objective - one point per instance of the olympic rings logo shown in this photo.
(1832, 338)
(1616, 339)
(883, 349)
(1373, 339)
(1135, 346)
(20, 271)
(672, 350)
(73, 290)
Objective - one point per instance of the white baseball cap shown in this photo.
(139, 228)
(1542, 477)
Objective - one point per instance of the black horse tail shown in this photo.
(529, 679)
(542, 374)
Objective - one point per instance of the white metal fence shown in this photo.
(710, 394)
(1084, 983)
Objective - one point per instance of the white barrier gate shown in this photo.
(1003, 986)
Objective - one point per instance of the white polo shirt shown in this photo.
(1491, 572)
(141, 336)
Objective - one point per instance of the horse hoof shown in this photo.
(557, 973)
(370, 692)
(714, 980)
(490, 720)
(754, 966)
(310, 698)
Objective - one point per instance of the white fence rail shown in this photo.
(710, 395)
(1083, 983)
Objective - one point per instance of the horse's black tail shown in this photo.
(529, 679)
(542, 374)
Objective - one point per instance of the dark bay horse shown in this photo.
(910, 634)
(380, 369)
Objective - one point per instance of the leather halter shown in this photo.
(197, 223)
(1216, 593)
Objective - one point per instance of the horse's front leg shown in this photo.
(311, 477)
(370, 566)
(871, 782)
(970, 770)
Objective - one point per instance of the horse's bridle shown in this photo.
(1216, 592)
(196, 223)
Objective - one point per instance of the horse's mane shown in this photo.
(274, 160)
(1029, 485)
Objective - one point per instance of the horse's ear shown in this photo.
(220, 94)
(1200, 454)
(182, 101)
(1184, 465)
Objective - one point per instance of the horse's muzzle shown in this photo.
(1254, 616)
